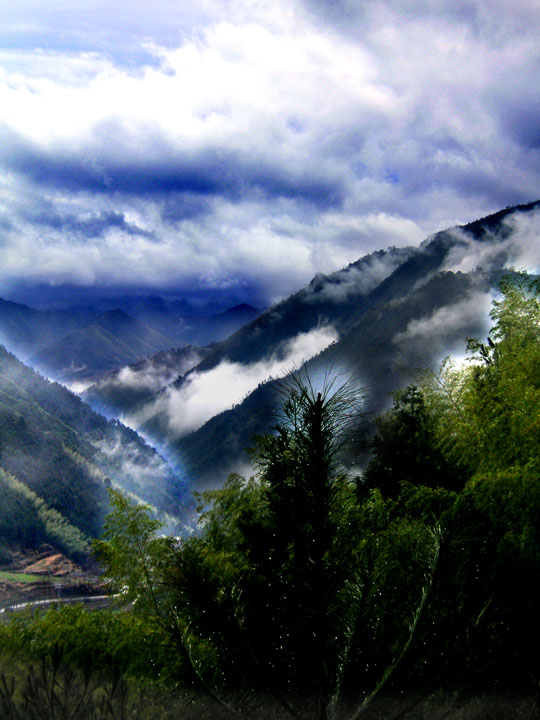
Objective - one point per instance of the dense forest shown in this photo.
(312, 590)
(57, 457)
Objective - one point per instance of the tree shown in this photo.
(486, 420)
(405, 449)
(292, 576)
(133, 555)
(487, 413)
(309, 500)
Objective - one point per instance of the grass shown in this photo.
(21, 577)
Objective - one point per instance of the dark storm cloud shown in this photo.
(208, 172)
(93, 226)
(175, 209)
(518, 112)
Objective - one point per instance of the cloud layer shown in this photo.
(249, 145)
(516, 246)
(445, 330)
(205, 394)
(357, 279)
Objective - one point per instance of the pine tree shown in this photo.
(292, 571)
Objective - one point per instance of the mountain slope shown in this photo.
(368, 351)
(336, 300)
(64, 453)
(25, 330)
(112, 340)
(421, 310)
(218, 327)
(84, 343)
(394, 311)
(121, 391)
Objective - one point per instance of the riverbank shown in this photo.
(43, 577)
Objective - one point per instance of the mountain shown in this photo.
(57, 457)
(121, 391)
(112, 340)
(369, 349)
(218, 327)
(335, 299)
(25, 330)
(380, 320)
(81, 344)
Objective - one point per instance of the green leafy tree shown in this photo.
(132, 554)
(405, 449)
(486, 420)
(487, 413)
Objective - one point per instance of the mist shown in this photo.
(358, 279)
(444, 331)
(516, 245)
(155, 373)
(145, 476)
(205, 394)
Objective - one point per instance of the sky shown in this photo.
(242, 146)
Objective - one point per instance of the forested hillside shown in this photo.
(109, 341)
(394, 312)
(59, 456)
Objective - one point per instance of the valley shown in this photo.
(42, 577)
(394, 313)
(381, 320)
(269, 360)
(375, 500)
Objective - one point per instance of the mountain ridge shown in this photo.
(82, 344)
(111, 340)
(377, 341)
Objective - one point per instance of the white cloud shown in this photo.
(226, 248)
(444, 331)
(155, 373)
(284, 133)
(205, 394)
(448, 319)
(517, 246)
(356, 280)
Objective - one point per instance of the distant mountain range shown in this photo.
(220, 326)
(81, 346)
(111, 340)
(380, 319)
(25, 330)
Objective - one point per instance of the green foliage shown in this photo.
(405, 449)
(292, 585)
(487, 414)
(304, 583)
(33, 521)
(51, 688)
(19, 577)
(105, 641)
(132, 555)
(54, 445)
(20, 524)
(485, 420)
